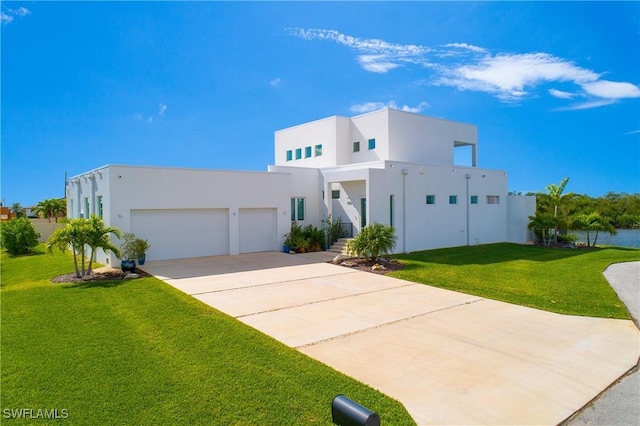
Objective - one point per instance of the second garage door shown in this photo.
(257, 230)
(182, 233)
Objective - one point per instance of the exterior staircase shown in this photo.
(339, 247)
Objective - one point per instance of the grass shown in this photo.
(141, 352)
(566, 281)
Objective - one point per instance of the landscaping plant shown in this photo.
(81, 235)
(373, 240)
(18, 236)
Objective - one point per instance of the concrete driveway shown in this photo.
(450, 358)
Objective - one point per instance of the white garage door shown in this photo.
(176, 234)
(257, 230)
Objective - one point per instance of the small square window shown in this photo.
(431, 199)
(474, 199)
(307, 152)
(453, 199)
(493, 199)
(289, 155)
(335, 194)
(318, 150)
(298, 153)
(356, 147)
(372, 144)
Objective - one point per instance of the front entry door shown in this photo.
(363, 212)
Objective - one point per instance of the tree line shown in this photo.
(557, 211)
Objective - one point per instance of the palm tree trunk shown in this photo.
(90, 262)
(75, 261)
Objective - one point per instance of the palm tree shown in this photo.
(98, 238)
(52, 207)
(542, 222)
(372, 240)
(75, 234)
(555, 197)
(17, 209)
(80, 234)
(593, 222)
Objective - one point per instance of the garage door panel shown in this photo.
(257, 230)
(181, 233)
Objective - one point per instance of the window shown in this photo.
(100, 211)
(289, 155)
(298, 153)
(493, 199)
(356, 147)
(474, 199)
(318, 150)
(372, 144)
(87, 213)
(431, 199)
(297, 208)
(335, 194)
(391, 212)
(307, 152)
(453, 199)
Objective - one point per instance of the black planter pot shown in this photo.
(128, 265)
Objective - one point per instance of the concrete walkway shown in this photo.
(620, 404)
(450, 358)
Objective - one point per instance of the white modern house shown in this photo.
(387, 166)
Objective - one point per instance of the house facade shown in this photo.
(387, 166)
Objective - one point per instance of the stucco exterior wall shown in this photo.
(426, 140)
(127, 188)
(519, 208)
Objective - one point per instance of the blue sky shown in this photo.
(552, 86)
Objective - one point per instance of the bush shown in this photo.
(333, 229)
(373, 240)
(18, 236)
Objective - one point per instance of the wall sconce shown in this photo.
(421, 172)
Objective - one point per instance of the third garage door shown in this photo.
(257, 230)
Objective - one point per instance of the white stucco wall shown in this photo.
(426, 140)
(519, 208)
(127, 188)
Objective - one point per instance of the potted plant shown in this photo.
(140, 248)
(128, 252)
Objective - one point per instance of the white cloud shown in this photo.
(588, 105)
(162, 108)
(374, 106)
(275, 82)
(376, 55)
(376, 63)
(9, 15)
(560, 94)
(467, 47)
(5, 19)
(633, 132)
(22, 11)
(612, 89)
(510, 77)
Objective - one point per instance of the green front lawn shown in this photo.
(140, 352)
(567, 281)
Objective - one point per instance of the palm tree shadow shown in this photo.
(89, 284)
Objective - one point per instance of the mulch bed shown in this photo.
(100, 274)
(381, 266)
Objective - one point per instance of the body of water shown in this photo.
(624, 237)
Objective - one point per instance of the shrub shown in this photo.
(333, 229)
(373, 240)
(315, 237)
(295, 238)
(18, 236)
